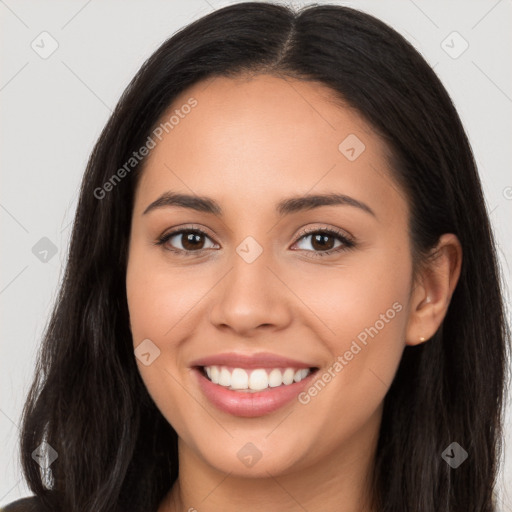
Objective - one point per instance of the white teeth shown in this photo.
(225, 377)
(300, 374)
(258, 380)
(239, 379)
(275, 378)
(254, 380)
(215, 374)
(288, 376)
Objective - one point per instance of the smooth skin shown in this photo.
(251, 142)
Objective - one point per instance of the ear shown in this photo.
(433, 290)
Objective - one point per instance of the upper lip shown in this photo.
(256, 360)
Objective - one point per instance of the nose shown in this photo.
(251, 296)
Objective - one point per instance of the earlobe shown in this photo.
(431, 299)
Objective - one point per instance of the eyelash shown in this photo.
(347, 243)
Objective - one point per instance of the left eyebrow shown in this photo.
(199, 203)
(300, 203)
(284, 207)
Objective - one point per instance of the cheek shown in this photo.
(158, 306)
(163, 303)
(363, 306)
(365, 297)
(159, 296)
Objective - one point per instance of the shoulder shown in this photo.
(30, 504)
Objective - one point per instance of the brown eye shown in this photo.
(186, 241)
(191, 241)
(324, 242)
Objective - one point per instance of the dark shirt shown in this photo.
(30, 504)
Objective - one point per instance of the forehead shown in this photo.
(257, 138)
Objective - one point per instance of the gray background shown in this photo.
(53, 110)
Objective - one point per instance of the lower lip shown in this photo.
(250, 405)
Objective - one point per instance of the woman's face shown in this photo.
(255, 299)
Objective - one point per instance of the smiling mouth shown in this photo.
(253, 380)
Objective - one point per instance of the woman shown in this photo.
(282, 290)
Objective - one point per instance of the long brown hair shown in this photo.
(115, 449)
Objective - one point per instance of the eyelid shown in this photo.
(185, 228)
(330, 229)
